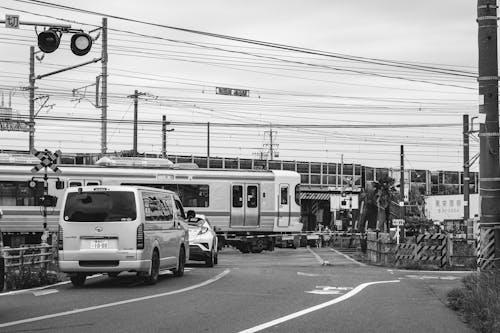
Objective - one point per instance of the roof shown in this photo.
(314, 196)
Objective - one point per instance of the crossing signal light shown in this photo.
(81, 43)
(48, 41)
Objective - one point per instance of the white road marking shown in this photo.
(108, 305)
(349, 258)
(307, 274)
(327, 290)
(314, 308)
(318, 258)
(27, 291)
(45, 292)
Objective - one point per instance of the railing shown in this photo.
(20, 263)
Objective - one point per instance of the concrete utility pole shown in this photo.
(489, 171)
(466, 167)
(208, 145)
(104, 88)
(32, 100)
(164, 131)
(402, 182)
(136, 102)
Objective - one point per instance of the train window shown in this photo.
(92, 183)
(237, 196)
(252, 196)
(297, 194)
(284, 195)
(190, 195)
(19, 193)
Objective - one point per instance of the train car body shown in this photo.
(241, 204)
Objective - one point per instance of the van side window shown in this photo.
(167, 208)
(180, 209)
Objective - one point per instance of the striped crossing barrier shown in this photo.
(430, 248)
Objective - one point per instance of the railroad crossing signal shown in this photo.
(47, 160)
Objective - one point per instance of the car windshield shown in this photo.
(104, 206)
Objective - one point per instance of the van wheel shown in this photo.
(209, 262)
(179, 271)
(152, 278)
(78, 280)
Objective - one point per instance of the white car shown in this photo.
(202, 240)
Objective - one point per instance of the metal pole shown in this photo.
(489, 171)
(164, 136)
(466, 167)
(104, 97)
(136, 103)
(208, 145)
(32, 100)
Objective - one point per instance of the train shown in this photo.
(252, 210)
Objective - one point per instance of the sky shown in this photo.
(370, 76)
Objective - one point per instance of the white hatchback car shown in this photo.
(202, 240)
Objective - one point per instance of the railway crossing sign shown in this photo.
(47, 160)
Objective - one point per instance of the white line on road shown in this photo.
(45, 292)
(314, 308)
(351, 259)
(108, 305)
(321, 261)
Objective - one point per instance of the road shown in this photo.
(301, 290)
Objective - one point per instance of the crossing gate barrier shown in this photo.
(486, 248)
(429, 249)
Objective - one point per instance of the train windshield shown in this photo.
(106, 206)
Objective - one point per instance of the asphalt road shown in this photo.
(301, 290)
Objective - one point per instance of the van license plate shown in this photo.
(99, 244)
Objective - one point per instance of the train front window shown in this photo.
(19, 193)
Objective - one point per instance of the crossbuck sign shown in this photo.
(47, 160)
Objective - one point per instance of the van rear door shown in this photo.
(99, 222)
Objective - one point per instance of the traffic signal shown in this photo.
(81, 43)
(48, 40)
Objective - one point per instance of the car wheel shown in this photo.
(216, 258)
(152, 278)
(179, 271)
(209, 262)
(78, 280)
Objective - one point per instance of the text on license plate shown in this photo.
(99, 244)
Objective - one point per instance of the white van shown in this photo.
(112, 229)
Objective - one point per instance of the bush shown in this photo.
(479, 300)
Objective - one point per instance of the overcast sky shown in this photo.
(426, 55)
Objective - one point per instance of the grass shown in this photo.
(478, 300)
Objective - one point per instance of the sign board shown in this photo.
(47, 160)
(232, 92)
(12, 21)
(398, 222)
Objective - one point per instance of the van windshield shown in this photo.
(100, 206)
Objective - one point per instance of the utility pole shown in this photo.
(489, 171)
(164, 131)
(104, 88)
(32, 100)
(271, 141)
(208, 144)
(466, 167)
(136, 98)
(402, 182)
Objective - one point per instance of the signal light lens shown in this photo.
(81, 43)
(48, 41)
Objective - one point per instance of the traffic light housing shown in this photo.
(48, 40)
(81, 43)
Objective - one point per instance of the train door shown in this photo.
(244, 205)
(284, 206)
